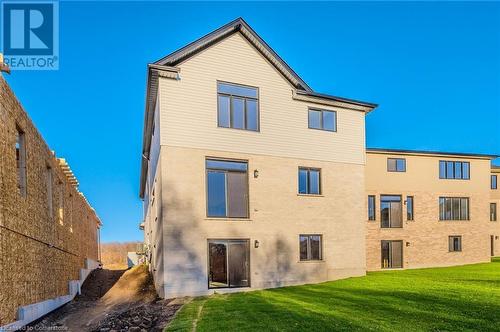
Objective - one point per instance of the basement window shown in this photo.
(455, 243)
(21, 161)
(310, 247)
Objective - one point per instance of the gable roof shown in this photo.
(166, 67)
(238, 25)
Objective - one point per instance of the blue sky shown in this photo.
(432, 67)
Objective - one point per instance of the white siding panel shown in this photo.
(189, 110)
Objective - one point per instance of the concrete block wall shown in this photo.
(41, 251)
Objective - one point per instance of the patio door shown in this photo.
(228, 263)
(392, 254)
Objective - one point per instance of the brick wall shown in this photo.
(40, 251)
(425, 239)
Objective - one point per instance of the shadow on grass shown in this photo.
(449, 299)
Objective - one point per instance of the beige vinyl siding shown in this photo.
(189, 110)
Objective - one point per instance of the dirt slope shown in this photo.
(113, 300)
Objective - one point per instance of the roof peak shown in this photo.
(228, 29)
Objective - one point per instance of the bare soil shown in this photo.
(113, 300)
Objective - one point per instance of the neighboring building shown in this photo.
(48, 232)
(249, 178)
(494, 211)
(252, 180)
(427, 209)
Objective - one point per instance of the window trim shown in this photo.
(460, 243)
(207, 216)
(493, 211)
(460, 208)
(445, 177)
(374, 197)
(320, 184)
(401, 209)
(309, 248)
(390, 253)
(228, 240)
(321, 119)
(494, 176)
(396, 169)
(231, 105)
(412, 199)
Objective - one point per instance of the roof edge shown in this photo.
(433, 153)
(372, 106)
(237, 25)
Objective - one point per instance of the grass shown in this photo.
(462, 298)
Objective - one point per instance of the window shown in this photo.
(238, 106)
(322, 119)
(455, 243)
(49, 191)
(228, 263)
(227, 188)
(454, 170)
(409, 208)
(453, 208)
(21, 161)
(494, 184)
(310, 247)
(371, 207)
(396, 165)
(390, 211)
(493, 211)
(392, 254)
(309, 181)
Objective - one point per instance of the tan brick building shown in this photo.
(228, 133)
(494, 211)
(427, 209)
(252, 180)
(48, 230)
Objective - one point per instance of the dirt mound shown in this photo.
(98, 283)
(113, 300)
(135, 285)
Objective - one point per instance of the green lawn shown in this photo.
(463, 298)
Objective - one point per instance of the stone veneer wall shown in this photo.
(39, 253)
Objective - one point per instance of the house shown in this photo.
(251, 180)
(229, 129)
(427, 209)
(494, 211)
(49, 233)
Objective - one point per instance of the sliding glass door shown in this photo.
(228, 263)
(392, 254)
